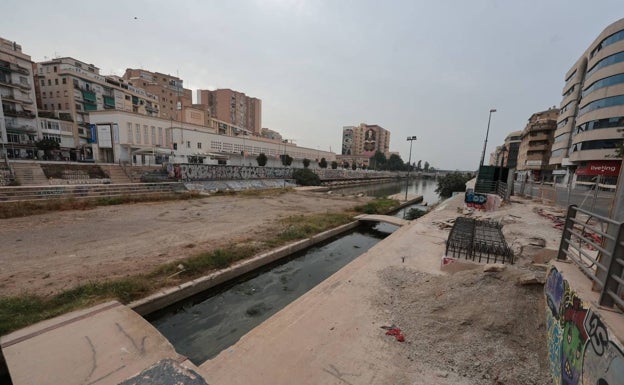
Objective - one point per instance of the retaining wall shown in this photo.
(584, 341)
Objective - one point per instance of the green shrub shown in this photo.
(306, 177)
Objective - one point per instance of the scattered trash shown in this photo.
(396, 332)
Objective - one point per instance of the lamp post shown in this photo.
(409, 164)
(486, 137)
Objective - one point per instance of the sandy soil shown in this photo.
(44, 254)
(475, 327)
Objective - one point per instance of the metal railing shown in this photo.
(596, 246)
(491, 187)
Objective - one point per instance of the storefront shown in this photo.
(604, 171)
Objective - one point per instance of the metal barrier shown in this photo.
(605, 236)
(596, 200)
(491, 187)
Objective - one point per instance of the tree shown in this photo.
(47, 144)
(354, 167)
(323, 163)
(345, 165)
(306, 162)
(261, 159)
(419, 165)
(395, 163)
(451, 183)
(334, 165)
(379, 161)
(286, 159)
(426, 166)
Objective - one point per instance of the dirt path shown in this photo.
(44, 254)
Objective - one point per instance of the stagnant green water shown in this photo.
(202, 328)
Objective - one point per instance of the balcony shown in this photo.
(24, 86)
(19, 114)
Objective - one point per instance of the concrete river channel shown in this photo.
(213, 321)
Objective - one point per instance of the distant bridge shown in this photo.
(382, 218)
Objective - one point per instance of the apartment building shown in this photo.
(535, 145)
(589, 127)
(169, 89)
(233, 107)
(365, 140)
(18, 111)
(68, 90)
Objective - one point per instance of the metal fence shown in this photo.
(593, 198)
(596, 245)
(491, 187)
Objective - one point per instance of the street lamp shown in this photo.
(409, 164)
(486, 137)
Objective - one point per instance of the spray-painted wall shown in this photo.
(581, 350)
(220, 172)
(223, 172)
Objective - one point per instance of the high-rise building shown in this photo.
(592, 111)
(365, 140)
(18, 114)
(169, 90)
(233, 107)
(536, 141)
(512, 145)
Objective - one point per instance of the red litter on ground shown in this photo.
(396, 332)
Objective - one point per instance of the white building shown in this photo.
(124, 137)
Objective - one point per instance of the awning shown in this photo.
(151, 151)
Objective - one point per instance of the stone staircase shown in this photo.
(29, 174)
(116, 173)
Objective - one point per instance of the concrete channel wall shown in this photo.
(179, 293)
(584, 340)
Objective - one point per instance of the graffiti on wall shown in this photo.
(579, 348)
(472, 199)
(220, 172)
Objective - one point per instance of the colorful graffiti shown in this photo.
(219, 172)
(472, 199)
(579, 348)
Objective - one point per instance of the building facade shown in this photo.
(589, 128)
(168, 89)
(18, 112)
(68, 90)
(535, 145)
(125, 137)
(233, 107)
(365, 140)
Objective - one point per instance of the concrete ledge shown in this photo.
(178, 293)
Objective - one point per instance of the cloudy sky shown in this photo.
(432, 68)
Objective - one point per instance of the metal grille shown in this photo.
(480, 241)
(596, 246)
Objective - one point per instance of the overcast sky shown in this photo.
(432, 68)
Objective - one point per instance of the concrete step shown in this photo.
(29, 174)
(30, 193)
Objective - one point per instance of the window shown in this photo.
(605, 82)
(602, 103)
(43, 94)
(59, 106)
(607, 61)
(54, 68)
(67, 106)
(64, 81)
(145, 134)
(153, 131)
(175, 146)
(608, 41)
(49, 82)
(58, 94)
(65, 93)
(601, 123)
(160, 135)
(188, 144)
(199, 145)
(42, 82)
(129, 132)
(56, 81)
(137, 133)
(45, 106)
(557, 153)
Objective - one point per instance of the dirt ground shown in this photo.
(475, 327)
(44, 254)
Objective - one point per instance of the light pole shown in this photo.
(486, 137)
(409, 164)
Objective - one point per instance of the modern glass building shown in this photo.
(590, 127)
